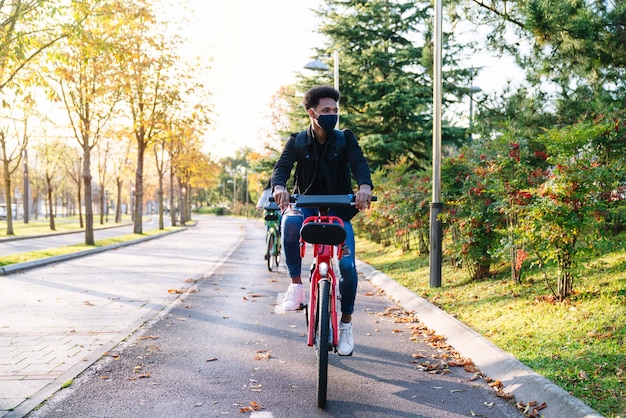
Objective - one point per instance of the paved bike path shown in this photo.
(53, 326)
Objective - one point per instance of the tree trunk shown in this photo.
(160, 193)
(118, 207)
(138, 209)
(79, 195)
(50, 210)
(172, 196)
(89, 238)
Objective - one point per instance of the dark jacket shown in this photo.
(335, 164)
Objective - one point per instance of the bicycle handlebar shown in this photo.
(323, 200)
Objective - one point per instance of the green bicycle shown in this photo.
(272, 236)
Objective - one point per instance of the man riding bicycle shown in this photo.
(325, 158)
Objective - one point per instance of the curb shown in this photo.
(521, 381)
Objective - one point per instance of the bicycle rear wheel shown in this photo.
(269, 253)
(322, 340)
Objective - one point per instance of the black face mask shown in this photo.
(327, 122)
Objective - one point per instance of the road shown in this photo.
(222, 344)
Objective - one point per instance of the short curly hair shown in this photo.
(312, 96)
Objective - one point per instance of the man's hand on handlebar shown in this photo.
(281, 197)
(363, 197)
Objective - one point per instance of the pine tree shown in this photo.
(385, 76)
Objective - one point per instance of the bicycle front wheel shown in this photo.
(277, 252)
(269, 253)
(322, 338)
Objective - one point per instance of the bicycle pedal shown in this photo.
(301, 307)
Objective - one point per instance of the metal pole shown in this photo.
(336, 76)
(336, 69)
(471, 115)
(26, 189)
(436, 205)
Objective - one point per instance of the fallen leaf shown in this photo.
(149, 337)
(253, 406)
(211, 359)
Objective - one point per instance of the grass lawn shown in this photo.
(42, 227)
(580, 344)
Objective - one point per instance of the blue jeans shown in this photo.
(291, 224)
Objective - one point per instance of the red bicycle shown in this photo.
(327, 235)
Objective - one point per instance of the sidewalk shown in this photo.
(52, 327)
(57, 320)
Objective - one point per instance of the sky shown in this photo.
(258, 46)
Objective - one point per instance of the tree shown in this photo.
(51, 156)
(82, 78)
(161, 157)
(385, 76)
(104, 148)
(573, 52)
(73, 170)
(567, 207)
(28, 27)
(122, 168)
(145, 59)
(13, 143)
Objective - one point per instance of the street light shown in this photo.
(317, 65)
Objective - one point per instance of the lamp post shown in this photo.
(436, 206)
(317, 65)
(472, 90)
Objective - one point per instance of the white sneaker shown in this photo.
(346, 341)
(294, 297)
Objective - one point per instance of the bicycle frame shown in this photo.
(323, 253)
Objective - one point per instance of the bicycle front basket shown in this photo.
(272, 216)
(321, 233)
